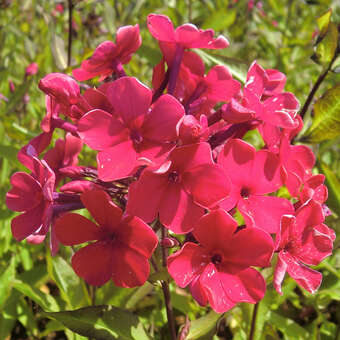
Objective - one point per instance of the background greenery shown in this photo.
(278, 34)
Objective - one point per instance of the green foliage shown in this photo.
(326, 120)
(102, 323)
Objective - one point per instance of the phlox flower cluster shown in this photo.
(174, 170)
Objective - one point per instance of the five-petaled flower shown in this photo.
(123, 243)
(217, 271)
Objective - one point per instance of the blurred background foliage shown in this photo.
(278, 34)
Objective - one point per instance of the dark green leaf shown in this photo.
(102, 323)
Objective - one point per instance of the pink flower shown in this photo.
(65, 153)
(33, 195)
(179, 189)
(134, 135)
(187, 35)
(108, 56)
(278, 110)
(254, 174)
(303, 240)
(31, 69)
(218, 269)
(123, 243)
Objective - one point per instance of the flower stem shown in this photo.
(253, 322)
(70, 33)
(166, 292)
(316, 87)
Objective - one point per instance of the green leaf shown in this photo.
(72, 288)
(333, 184)
(45, 301)
(220, 20)
(288, 327)
(59, 52)
(102, 323)
(327, 47)
(203, 325)
(9, 152)
(6, 279)
(326, 121)
(323, 22)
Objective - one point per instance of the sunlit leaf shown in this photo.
(203, 325)
(326, 120)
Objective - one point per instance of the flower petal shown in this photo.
(214, 230)
(116, 162)
(210, 281)
(161, 28)
(245, 286)
(129, 268)
(307, 278)
(25, 194)
(93, 263)
(74, 229)
(137, 235)
(187, 263)
(102, 209)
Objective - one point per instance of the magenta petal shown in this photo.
(279, 274)
(116, 162)
(177, 210)
(128, 41)
(214, 230)
(99, 130)
(94, 263)
(307, 278)
(145, 195)
(237, 159)
(190, 156)
(129, 268)
(207, 183)
(187, 263)
(309, 215)
(160, 27)
(74, 229)
(102, 209)
(160, 124)
(197, 291)
(256, 78)
(280, 110)
(28, 222)
(25, 194)
(246, 286)
(266, 173)
(210, 281)
(267, 218)
(137, 235)
(133, 111)
(315, 245)
(257, 248)
(234, 112)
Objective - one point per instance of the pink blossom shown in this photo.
(123, 243)
(135, 135)
(303, 240)
(31, 69)
(33, 196)
(180, 189)
(218, 269)
(108, 56)
(254, 174)
(187, 35)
